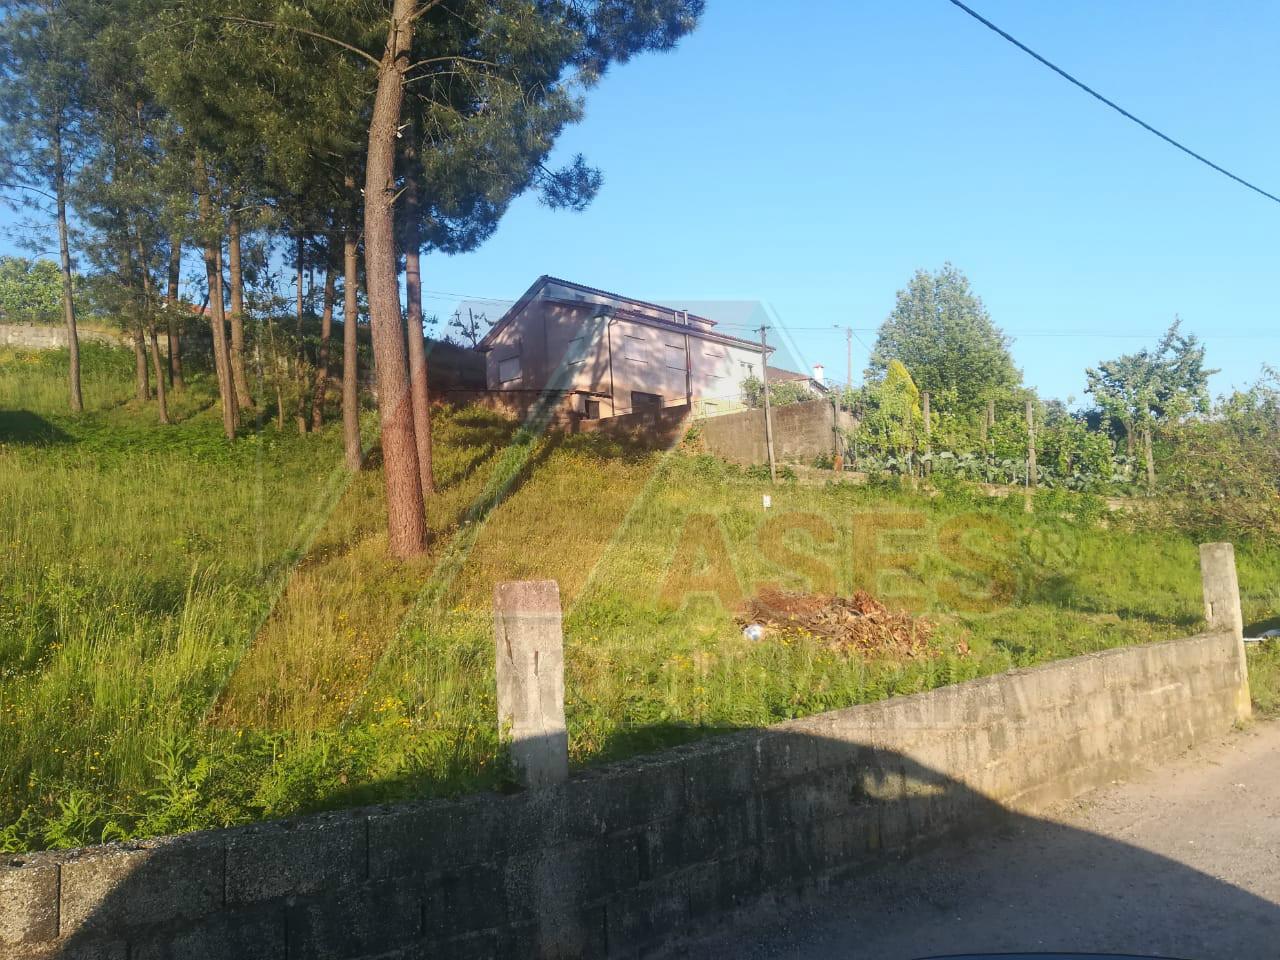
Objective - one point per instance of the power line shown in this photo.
(861, 341)
(1112, 104)
(445, 295)
(1090, 334)
(1081, 334)
(1098, 335)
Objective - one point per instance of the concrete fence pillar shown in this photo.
(529, 638)
(1222, 608)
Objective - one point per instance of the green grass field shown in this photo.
(195, 633)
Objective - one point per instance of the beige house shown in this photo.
(613, 355)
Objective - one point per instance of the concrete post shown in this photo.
(1032, 477)
(1222, 608)
(530, 666)
(925, 400)
(768, 413)
(837, 454)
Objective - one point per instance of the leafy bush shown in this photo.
(760, 471)
(30, 291)
(780, 394)
(1224, 481)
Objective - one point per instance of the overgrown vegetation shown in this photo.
(195, 632)
(1264, 679)
(942, 399)
(30, 291)
(781, 393)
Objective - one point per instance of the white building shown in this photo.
(614, 355)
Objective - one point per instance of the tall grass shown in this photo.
(196, 633)
(36, 380)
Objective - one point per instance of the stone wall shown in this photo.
(656, 428)
(452, 367)
(30, 336)
(801, 431)
(557, 407)
(621, 859)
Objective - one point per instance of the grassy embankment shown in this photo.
(195, 633)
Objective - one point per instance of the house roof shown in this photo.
(783, 375)
(675, 324)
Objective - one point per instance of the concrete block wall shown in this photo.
(620, 860)
(801, 431)
(558, 410)
(657, 428)
(29, 336)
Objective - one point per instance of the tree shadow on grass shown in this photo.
(24, 428)
(1061, 590)
(354, 672)
(483, 439)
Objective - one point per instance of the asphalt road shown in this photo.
(1180, 861)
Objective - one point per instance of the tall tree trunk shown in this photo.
(173, 322)
(162, 397)
(141, 379)
(217, 315)
(149, 323)
(406, 523)
(350, 347)
(418, 379)
(221, 297)
(1149, 454)
(326, 330)
(301, 374)
(64, 253)
(238, 378)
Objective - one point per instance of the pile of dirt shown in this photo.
(858, 624)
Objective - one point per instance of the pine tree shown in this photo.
(494, 87)
(42, 91)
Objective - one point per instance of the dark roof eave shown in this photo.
(680, 328)
(617, 296)
(486, 343)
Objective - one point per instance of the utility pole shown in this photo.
(848, 346)
(928, 433)
(1031, 451)
(768, 413)
(988, 433)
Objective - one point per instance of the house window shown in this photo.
(673, 354)
(633, 349)
(575, 351)
(645, 401)
(719, 358)
(509, 369)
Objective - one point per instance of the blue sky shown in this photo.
(809, 164)
(814, 162)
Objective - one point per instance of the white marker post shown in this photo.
(529, 640)
(1222, 608)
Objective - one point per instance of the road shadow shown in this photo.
(1259, 627)
(635, 858)
(24, 428)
